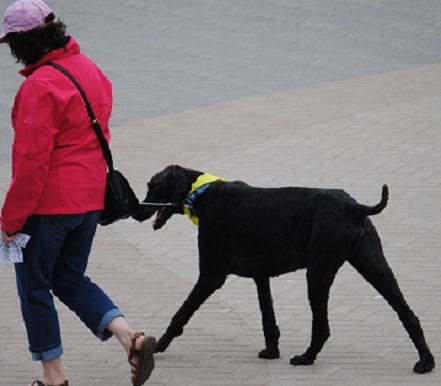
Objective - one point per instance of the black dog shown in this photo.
(265, 232)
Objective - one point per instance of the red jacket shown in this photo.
(57, 162)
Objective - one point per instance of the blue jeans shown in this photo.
(55, 261)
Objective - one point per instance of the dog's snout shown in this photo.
(144, 213)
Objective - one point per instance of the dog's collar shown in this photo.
(198, 187)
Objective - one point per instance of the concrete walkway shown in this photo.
(339, 93)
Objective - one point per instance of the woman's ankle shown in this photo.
(122, 332)
(49, 382)
(53, 372)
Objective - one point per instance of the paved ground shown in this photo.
(339, 93)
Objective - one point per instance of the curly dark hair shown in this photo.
(30, 46)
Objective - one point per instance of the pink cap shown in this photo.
(24, 15)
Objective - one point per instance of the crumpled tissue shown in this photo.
(10, 251)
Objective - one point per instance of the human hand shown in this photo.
(6, 236)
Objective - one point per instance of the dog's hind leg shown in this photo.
(270, 329)
(204, 287)
(370, 262)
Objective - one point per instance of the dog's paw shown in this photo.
(424, 365)
(302, 360)
(269, 353)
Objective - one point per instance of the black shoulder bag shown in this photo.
(120, 202)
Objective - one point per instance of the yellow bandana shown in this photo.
(199, 186)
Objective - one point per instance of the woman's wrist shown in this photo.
(8, 235)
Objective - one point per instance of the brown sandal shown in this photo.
(40, 383)
(146, 361)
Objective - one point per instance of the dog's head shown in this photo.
(171, 185)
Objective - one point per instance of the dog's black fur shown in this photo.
(265, 232)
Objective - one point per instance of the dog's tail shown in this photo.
(365, 210)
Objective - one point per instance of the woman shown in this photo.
(57, 190)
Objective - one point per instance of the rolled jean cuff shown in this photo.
(48, 355)
(102, 332)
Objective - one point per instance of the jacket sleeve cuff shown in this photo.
(10, 230)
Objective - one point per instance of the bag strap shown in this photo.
(95, 124)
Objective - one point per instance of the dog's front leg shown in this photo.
(270, 329)
(318, 293)
(202, 290)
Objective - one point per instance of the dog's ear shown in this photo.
(181, 181)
